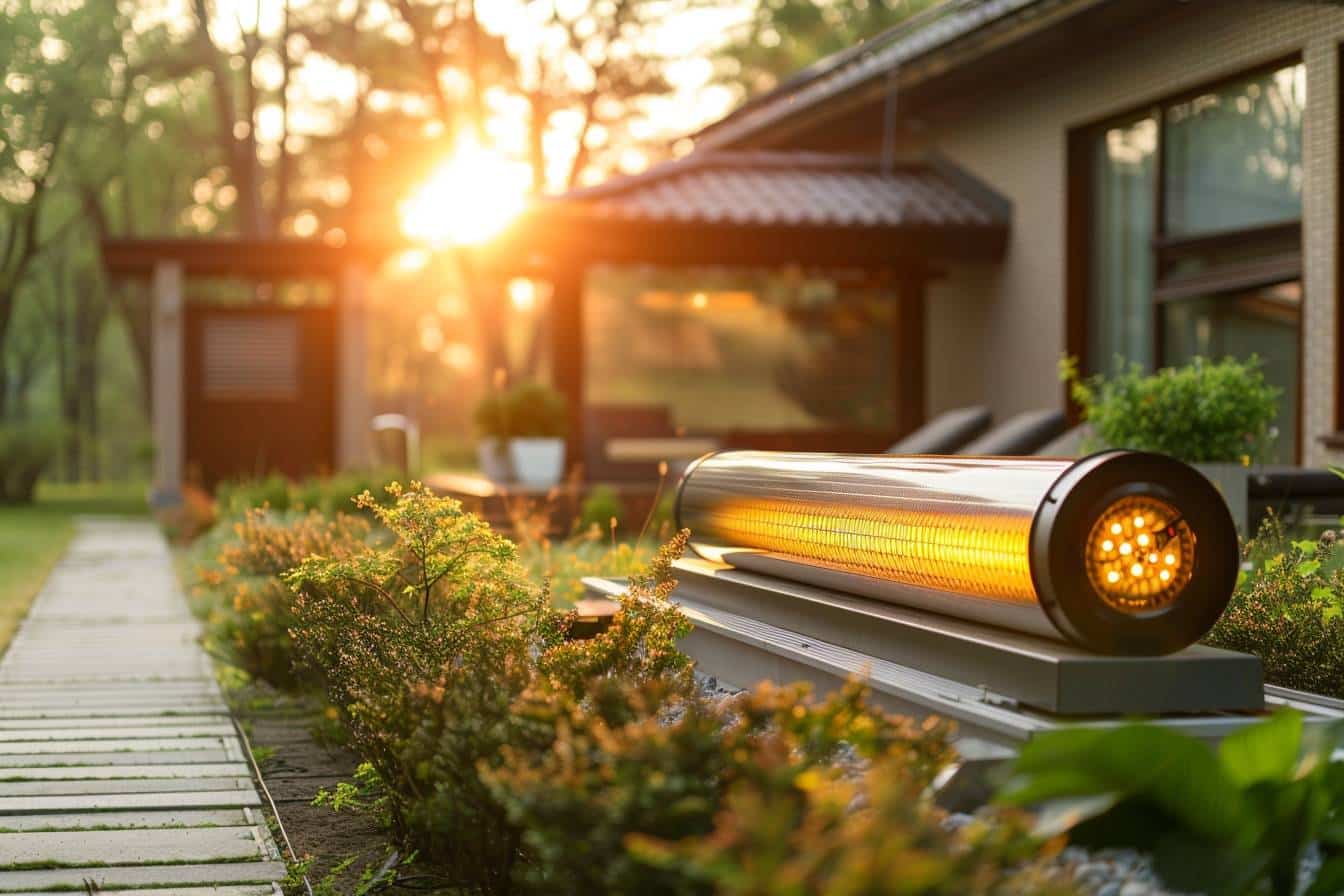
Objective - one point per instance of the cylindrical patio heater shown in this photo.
(1121, 552)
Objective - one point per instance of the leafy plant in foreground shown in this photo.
(1225, 821)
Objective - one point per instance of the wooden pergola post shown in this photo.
(353, 417)
(166, 378)
(567, 351)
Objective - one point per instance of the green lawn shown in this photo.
(33, 538)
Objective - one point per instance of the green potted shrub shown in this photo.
(492, 444)
(1215, 415)
(537, 421)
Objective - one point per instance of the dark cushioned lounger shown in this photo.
(1022, 434)
(945, 433)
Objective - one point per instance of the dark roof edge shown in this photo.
(706, 160)
(922, 35)
(999, 205)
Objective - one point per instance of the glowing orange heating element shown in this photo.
(1140, 554)
(983, 554)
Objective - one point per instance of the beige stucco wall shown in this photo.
(999, 333)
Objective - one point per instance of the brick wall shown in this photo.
(1015, 139)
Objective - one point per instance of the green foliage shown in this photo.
(1288, 609)
(1229, 821)
(602, 509)
(491, 416)
(251, 614)
(562, 566)
(785, 36)
(675, 794)
(25, 451)
(328, 494)
(536, 411)
(1204, 412)
(425, 645)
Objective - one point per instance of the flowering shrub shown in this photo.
(249, 622)
(1288, 610)
(563, 565)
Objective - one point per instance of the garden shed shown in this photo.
(258, 355)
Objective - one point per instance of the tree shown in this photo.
(785, 36)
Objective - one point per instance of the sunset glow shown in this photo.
(469, 199)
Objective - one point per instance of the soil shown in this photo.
(295, 766)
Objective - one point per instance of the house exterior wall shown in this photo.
(1003, 344)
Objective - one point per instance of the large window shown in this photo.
(718, 350)
(1193, 233)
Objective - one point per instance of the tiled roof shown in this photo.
(875, 58)
(799, 189)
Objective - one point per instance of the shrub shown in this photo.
(1235, 820)
(329, 494)
(26, 449)
(491, 417)
(250, 623)
(426, 643)
(1204, 412)
(533, 410)
(601, 509)
(1288, 610)
(675, 794)
(563, 565)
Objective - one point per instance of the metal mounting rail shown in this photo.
(741, 650)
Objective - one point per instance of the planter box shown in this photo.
(1233, 482)
(539, 463)
(493, 458)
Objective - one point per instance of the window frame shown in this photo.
(1079, 202)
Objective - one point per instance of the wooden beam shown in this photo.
(567, 350)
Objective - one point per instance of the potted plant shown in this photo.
(1216, 415)
(537, 423)
(492, 426)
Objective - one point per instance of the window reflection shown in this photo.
(1233, 156)
(733, 350)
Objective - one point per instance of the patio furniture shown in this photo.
(945, 433)
(1069, 443)
(1022, 434)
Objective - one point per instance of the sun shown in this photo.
(469, 199)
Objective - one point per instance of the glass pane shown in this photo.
(1263, 322)
(1120, 314)
(1233, 156)
(717, 350)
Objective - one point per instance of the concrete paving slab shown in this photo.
(125, 745)
(120, 732)
(110, 710)
(118, 785)
(80, 821)
(243, 890)
(122, 802)
(165, 770)
(142, 876)
(125, 757)
(131, 847)
(137, 721)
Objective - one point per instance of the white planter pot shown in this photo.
(538, 462)
(492, 457)
(1233, 482)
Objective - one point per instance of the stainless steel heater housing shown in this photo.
(1120, 553)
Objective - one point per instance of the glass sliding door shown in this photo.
(1122, 258)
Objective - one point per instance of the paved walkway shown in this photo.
(118, 762)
